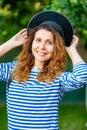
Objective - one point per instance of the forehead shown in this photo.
(44, 33)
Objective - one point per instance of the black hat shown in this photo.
(56, 20)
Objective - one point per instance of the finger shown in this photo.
(22, 31)
(25, 35)
(75, 39)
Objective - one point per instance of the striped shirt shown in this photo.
(33, 105)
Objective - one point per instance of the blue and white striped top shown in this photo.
(33, 105)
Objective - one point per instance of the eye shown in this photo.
(38, 40)
(50, 42)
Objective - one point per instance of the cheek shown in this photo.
(51, 49)
(33, 46)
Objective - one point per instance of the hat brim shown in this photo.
(60, 19)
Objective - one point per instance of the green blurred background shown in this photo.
(15, 14)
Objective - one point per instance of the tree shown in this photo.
(16, 13)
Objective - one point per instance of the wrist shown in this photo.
(10, 44)
(71, 50)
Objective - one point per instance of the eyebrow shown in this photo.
(46, 39)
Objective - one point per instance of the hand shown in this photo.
(20, 38)
(72, 51)
(17, 40)
(73, 44)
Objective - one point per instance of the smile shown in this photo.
(41, 53)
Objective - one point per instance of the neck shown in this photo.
(38, 65)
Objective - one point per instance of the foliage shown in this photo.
(15, 14)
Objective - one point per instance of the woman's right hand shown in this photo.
(19, 39)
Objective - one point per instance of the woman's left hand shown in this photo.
(72, 51)
(73, 44)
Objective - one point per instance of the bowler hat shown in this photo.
(56, 20)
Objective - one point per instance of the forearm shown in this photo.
(4, 48)
(17, 40)
(72, 51)
(74, 56)
(75, 79)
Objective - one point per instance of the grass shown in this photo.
(3, 118)
(71, 117)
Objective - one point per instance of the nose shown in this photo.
(42, 45)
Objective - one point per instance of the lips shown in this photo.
(41, 53)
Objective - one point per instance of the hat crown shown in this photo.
(54, 25)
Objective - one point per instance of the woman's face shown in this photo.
(42, 46)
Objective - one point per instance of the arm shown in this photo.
(17, 40)
(78, 77)
(72, 51)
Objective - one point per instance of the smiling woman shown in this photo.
(47, 52)
(38, 80)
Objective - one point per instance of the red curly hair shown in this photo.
(51, 68)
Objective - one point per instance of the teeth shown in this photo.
(41, 53)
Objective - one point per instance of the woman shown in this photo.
(38, 80)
